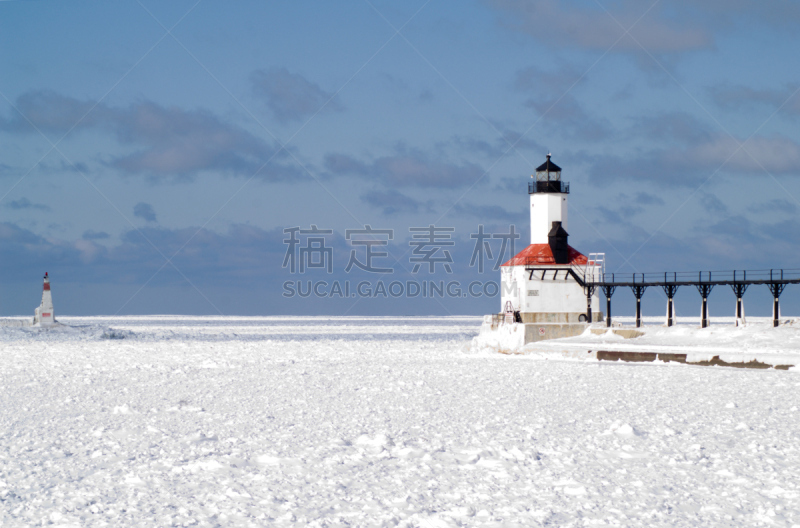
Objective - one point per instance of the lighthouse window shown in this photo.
(533, 293)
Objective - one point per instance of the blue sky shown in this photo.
(152, 154)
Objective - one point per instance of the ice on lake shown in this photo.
(179, 421)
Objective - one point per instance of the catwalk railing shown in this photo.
(548, 186)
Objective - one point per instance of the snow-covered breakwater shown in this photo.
(756, 344)
(377, 421)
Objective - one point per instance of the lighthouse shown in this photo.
(544, 283)
(44, 315)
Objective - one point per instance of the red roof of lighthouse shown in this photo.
(541, 254)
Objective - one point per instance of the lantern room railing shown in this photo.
(548, 187)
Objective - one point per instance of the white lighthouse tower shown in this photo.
(44, 315)
(544, 283)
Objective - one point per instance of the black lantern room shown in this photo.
(548, 179)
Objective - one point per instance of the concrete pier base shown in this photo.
(496, 330)
(566, 317)
(542, 331)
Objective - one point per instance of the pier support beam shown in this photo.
(776, 288)
(705, 290)
(739, 289)
(638, 291)
(608, 291)
(670, 290)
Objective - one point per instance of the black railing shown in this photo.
(548, 187)
(765, 276)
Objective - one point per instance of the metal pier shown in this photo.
(704, 281)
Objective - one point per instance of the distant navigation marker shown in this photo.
(44, 316)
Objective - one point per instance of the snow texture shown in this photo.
(165, 421)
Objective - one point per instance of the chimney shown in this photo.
(557, 238)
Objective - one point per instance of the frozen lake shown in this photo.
(228, 421)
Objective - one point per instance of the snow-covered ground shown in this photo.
(755, 341)
(159, 421)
